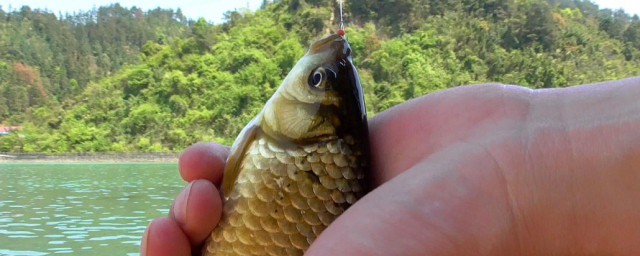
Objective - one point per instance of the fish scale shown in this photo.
(271, 212)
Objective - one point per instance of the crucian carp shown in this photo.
(300, 163)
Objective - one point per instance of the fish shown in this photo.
(301, 162)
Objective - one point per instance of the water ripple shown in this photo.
(93, 209)
(21, 253)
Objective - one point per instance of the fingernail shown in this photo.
(180, 207)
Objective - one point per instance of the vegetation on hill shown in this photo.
(48, 58)
(156, 82)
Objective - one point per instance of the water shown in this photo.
(81, 209)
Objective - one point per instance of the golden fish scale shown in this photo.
(284, 198)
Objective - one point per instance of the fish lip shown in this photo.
(333, 42)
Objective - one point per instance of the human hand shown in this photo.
(489, 169)
(196, 210)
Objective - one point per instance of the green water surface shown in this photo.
(81, 209)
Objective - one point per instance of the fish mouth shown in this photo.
(334, 42)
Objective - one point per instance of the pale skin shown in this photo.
(474, 170)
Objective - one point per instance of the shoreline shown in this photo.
(90, 158)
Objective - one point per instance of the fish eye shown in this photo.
(317, 78)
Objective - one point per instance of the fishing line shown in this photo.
(341, 14)
(341, 28)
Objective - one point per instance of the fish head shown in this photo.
(320, 98)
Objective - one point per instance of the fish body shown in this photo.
(300, 163)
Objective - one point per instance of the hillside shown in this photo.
(44, 57)
(207, 82)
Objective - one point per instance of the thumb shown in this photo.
(440, 206)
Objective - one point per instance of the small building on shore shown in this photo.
(6, 130)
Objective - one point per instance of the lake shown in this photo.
(82, 209)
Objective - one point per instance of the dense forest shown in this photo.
(118, 79)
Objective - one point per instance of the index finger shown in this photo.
(203, 161)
